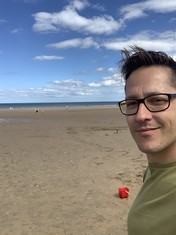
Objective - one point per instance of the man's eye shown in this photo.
(131, 104)
(157, 101)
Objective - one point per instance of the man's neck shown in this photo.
(163, 157)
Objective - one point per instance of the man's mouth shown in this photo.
(146, 129)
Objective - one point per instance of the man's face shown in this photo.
(153, 132)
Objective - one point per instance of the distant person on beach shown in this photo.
(36, 110)
(150, 110)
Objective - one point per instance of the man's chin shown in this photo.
(147, 149)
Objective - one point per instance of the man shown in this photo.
(150, 109)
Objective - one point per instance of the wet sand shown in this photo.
(60, 170)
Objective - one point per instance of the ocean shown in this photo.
(56, 104)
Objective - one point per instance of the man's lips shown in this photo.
(146, 129)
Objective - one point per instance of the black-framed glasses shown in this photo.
(154, 103)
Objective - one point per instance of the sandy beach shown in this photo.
(60, 170)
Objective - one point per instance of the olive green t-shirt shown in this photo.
(154, 209)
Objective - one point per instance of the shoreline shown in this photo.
(57, 104)
(60, 107)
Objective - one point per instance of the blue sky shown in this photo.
(64, 50)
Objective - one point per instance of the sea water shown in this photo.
(56, 104)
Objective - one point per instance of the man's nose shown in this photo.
(143, 113)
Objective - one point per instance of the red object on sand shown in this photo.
(124, 192)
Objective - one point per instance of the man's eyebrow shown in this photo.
(135, 97)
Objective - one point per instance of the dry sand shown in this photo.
(60, 170)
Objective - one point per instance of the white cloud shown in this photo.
(14, 31)
(131, 12)
(173, 20)
(99, 69)
(69, 82)
(69, 88)
(48, 57)
(164, 41)
(109, 70)
(2, 21)
(109, 82)
(105, 89)
(160, 6)
(48, 22)
(149, 40)
(94, 84)
(112, 70)
(103, 24)
(112, 81)
(76, 42)
(140, 9)
(99, 7)
(79, 4)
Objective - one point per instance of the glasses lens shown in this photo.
(129, 107)
(157, 103)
